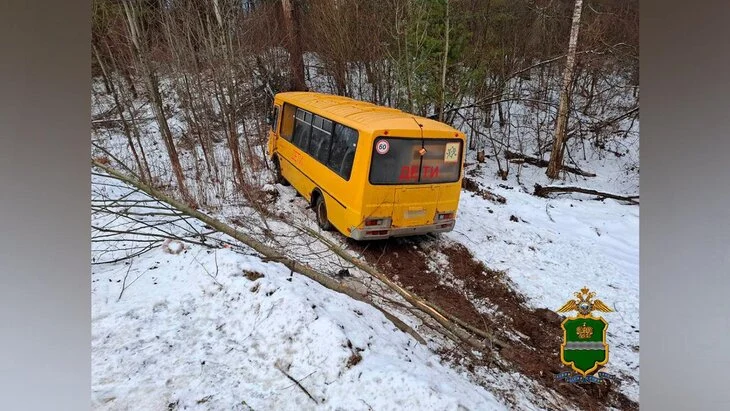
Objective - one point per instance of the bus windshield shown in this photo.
(398, 160)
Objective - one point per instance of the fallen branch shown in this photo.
(114, 120)
(297, 383)
(261, 248)
(521, 158)
(545, 191)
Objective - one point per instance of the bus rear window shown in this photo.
(415, 161)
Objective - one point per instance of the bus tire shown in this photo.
(320, 210)
(277, 173)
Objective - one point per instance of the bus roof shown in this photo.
(362, 115)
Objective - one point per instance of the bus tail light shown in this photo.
(445, 216)
(377, 222)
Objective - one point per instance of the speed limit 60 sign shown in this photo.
(382, 146)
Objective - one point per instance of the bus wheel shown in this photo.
(321, 210)
(277, 173)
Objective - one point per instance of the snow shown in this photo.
(173, 246)
(198, 330)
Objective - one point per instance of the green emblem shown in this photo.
(584, 346)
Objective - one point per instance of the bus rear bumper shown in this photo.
(382, 233)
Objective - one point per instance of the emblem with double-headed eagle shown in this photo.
(585, 304)
(584, 346)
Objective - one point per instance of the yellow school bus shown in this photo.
(370, 172)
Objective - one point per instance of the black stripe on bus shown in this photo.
(315, 183)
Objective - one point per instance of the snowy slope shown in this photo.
(560, 245)
(198, 330)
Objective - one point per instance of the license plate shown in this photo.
(415, 213)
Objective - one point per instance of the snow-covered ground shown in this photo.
(219, 329)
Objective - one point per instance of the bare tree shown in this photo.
(556, 156)
(445, 64)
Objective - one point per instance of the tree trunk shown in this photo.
(591, 92)
(292, 22)
(130, 83)
(374, 82)
(158, 108)
(104, 74)
(233, 146)
(340, 75)
(442, 103)
(502, 120)
(556, 156)
(196, 124)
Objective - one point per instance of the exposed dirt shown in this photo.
(535, 353)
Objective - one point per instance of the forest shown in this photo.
(493, 69)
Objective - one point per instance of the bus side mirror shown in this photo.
(270, 120)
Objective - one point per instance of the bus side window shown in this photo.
(342, 153)
(302, 129)
(287, 121)
(324, 152)
(319, 144)
(346, 167)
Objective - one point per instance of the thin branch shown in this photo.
(298, 384)
(124, 282)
